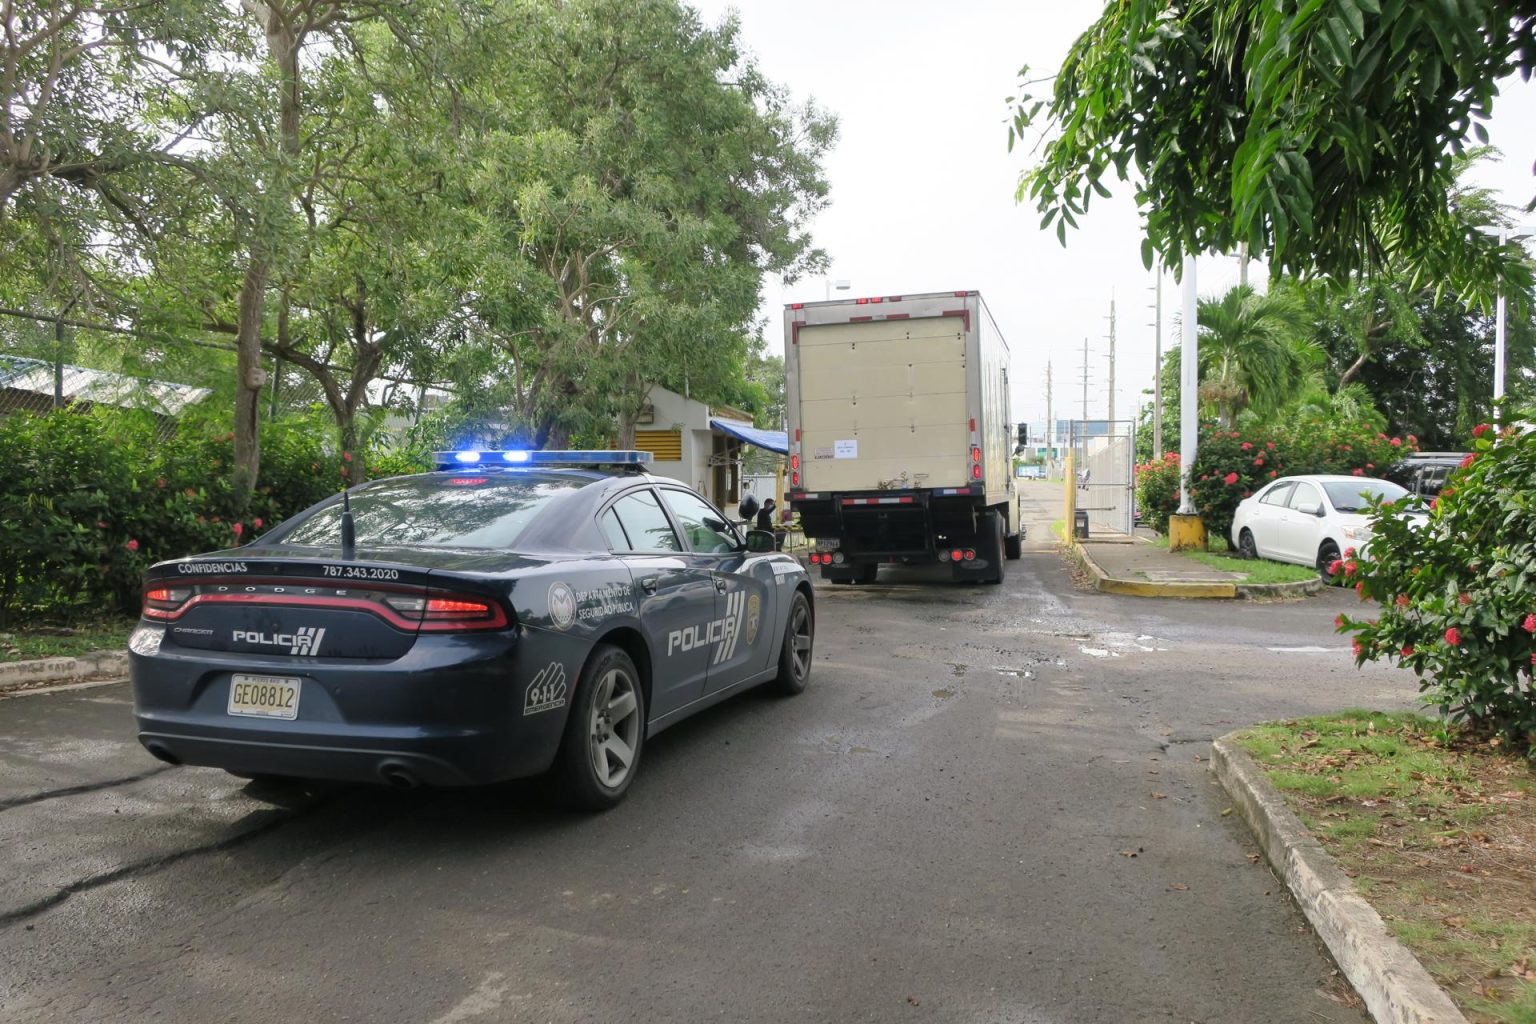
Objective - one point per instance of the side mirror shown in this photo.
(1023, 437)
(748, 507)
(1309, 508)
(760, 541)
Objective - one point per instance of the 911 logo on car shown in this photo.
(547, 691)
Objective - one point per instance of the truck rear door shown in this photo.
(883, 404)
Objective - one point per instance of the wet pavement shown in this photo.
(992, 804)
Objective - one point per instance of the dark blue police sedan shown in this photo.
(510, 614)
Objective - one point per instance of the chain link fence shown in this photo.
(1104, 454)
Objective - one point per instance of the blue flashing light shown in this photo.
(593, 458)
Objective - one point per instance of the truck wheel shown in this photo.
(993, 527)
(1013, 546)
(868, 573)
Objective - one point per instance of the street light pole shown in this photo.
(841, 285)
(1498, 339)
(1189, 387)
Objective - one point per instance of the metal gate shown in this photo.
(1104, 457)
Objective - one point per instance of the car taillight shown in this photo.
(448, 613)
(163, 602)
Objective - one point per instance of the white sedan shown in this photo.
(1309, 520)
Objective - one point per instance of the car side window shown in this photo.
(1277, 494)
(613, 530)
(1305, 494)
(643, 523)
(707, 530)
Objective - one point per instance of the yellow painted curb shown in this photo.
(1148, 588)
(1104, 583)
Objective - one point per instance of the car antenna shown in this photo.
(348, 529)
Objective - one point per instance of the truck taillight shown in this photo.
(794, 461)
(975, 455)
(794, 479)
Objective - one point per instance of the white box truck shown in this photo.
(900, 439)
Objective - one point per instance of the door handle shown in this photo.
(648, 584)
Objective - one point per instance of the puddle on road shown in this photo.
(944, 693)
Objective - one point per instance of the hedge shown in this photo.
(1232, 464)
(88, 501)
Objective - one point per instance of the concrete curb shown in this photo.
(1395, 986)
(1188, 589)
(1147, 588)
(21, 675)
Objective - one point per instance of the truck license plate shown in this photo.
(264, 696)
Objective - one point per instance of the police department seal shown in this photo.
(562, 606)
(754, 618)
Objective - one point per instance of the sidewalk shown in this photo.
(1136, 567)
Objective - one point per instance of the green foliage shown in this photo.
(1253, 351)
(88, 502)
(1321, 134)
(1458, 593)
(1157, 490)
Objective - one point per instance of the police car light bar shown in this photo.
(488, 459)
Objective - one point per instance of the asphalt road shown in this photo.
(991, 805)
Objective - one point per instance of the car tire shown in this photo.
(1245, 545)
(795, 649)
(606, 719)
(1327, 554)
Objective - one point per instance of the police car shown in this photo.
(509, 614)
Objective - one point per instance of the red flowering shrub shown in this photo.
(1157, 490)
(1458, 593)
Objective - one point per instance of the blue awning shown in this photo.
(773, 440)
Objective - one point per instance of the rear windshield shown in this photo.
(1350, 496)
(440, 510)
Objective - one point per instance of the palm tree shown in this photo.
(1254, 351)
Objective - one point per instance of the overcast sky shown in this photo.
(922, 181)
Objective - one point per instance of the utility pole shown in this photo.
(1157, 373)
(1050, 422)
(1111, 360)
(1085, 380)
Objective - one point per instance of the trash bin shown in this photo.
(1080, 525)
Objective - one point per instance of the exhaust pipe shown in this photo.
(397, 775)
(159, 751)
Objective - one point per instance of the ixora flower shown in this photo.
(1230, 479)
(1338, 621)
(1397, 442)
(1453, 636)
(1408, 651)
(132, 545)
(1247, 445)
(1468, 459)
(1529, 625)
(1481, 429)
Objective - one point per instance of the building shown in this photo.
(702, 446)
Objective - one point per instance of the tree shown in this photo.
(1253, 351)
(630, 215)
(95, 104)
(1321, 134)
